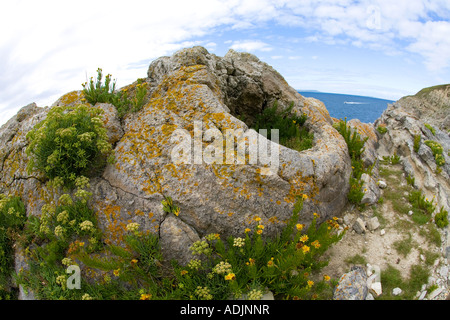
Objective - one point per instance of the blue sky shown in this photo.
(383, 48)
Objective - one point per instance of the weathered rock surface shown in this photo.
(406, 119)
(194, 85)
(352, 285)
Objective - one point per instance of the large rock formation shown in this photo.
(188, 88)
(425, 116)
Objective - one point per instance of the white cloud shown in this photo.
(49, 46)
(251, 45)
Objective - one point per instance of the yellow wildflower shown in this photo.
(247, 230)
(183, 272)
(145, 296)
(305, 249)
(256, 218)
(304, 196)
(304, 238)
(316, 244)
(230, 276)
(270, 263)
(310, 283)
(116, 272)
(300, 226)
(326, 277)
(261, 227)
(134, 261)
(259, 231)
(316, 215)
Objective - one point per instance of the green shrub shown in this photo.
(222, 269)
(441, 218)
(355, 143)
(395, 159)
(62, 230)
(410, 180)
(429, 127)
(419, 201)
(417, 139)
(437, 150)
(292, 132)
(69, 143)
(242, 266)
(382, 129)
(12, 219)
(97, 91)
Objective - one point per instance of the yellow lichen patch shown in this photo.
(71, 98)
(115, 229)
(365, 130)
(298, 185)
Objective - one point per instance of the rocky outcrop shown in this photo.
(424, 117)
(189, 92)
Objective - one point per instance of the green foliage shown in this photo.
(355, 145)
(12, 219)
(62, 230)
(441, 218)
(392, 278)
(170, 207)
(382, 129)
(222, 269)
(395, 159)
(97, 91)
(410, 180)
(69, 143)
(417, 139)
(419, 201)
(429, 127)
(292, 132)
(238, 266)
(437, 150)
(124, 104)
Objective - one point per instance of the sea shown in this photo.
(340, 106)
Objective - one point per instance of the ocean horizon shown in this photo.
(340, 106)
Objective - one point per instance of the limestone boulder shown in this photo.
(197, 94)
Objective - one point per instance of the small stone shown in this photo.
(359, 226)
(373, 224)
(410, 213)
(348, 219)
(381, 184)
(435, 293)
(382, 232)
(376, 289)
(396, 291)
(443, 271)
(268, 296)
(370, 297)
(447, 252)
(422, 295)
